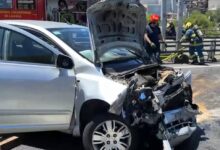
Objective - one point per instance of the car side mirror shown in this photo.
(64, 62)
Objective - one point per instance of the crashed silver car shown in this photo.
(158, 100)
(113, 96)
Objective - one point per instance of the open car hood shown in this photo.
(117, 24)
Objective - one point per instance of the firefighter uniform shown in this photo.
(196, 44)
(153, 33)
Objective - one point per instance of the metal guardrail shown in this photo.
(211, 47)
(211, 44)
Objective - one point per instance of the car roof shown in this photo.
(43, 24)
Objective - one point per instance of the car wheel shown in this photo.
(108, 132)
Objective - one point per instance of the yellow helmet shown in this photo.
(188, 25)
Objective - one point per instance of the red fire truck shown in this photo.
(73, 11)
(23, 9)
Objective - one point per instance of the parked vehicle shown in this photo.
(113, 89)
(38, 95)
(73, 11)
(23, 9)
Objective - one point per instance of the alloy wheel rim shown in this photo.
(111, 135)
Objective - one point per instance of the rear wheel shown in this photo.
(108, 132)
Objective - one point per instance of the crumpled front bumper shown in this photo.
(179, 124)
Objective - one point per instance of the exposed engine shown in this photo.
(163, 102)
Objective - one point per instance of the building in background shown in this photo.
(154, 6)
(214, 4)
(200, 5)
(23, 9)
(72, 11)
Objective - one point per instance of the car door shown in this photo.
(35, 94)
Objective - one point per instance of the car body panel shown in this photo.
(34, 96)
(116, 24)
(85, 71)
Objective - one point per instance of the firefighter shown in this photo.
(170, 30)
(152, 38)
(195, 37)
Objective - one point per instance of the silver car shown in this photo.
(65, 81)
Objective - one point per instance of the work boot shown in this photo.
(194, 62)
(201, 61)
(194, 59)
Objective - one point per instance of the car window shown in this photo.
(76, 38)
(5, 4)
(1, 42)
(26, 4)
(24, 49)
(42, 37)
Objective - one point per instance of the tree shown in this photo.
(217, 16)
(200, 19)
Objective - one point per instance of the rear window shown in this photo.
(26, 4)
(5, 4)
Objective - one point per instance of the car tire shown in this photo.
(97, 128)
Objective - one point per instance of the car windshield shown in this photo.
(78, 39)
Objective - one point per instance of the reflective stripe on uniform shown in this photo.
(193, 56)
(196, 44)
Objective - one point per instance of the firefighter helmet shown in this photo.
(188, 25)
(154, 18)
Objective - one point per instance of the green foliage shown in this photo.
(211, 15)
(148, 17)
(216, 16)
(208, 22)
(202, 20)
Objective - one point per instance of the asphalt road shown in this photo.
(206, 87)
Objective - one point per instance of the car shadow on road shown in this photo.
(52, 141)
(61, 141)
(193, 142)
